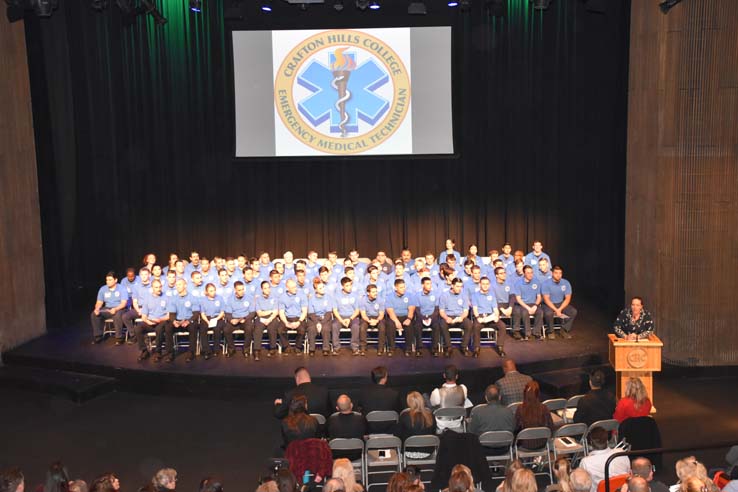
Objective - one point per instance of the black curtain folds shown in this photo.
(134, 130)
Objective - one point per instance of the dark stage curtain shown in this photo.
(134, 127)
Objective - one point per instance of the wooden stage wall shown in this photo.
(22, 302)
(682, 176)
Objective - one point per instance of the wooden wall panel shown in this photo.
(22, 303)
(682, 176)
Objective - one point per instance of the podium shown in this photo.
(631, 358)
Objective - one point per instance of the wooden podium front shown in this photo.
(631, 358)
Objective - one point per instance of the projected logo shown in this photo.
(342, 92)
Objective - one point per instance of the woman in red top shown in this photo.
(635, 403)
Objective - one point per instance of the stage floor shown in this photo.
(70, 350)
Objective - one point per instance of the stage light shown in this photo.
(417, 8)
(666, 5)
(196, 6)
(453, 3)
(266, 5)
(374, 5)
(338, 5)
(541, 4)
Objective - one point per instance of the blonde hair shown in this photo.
(164, 477)
(689, 467)
(523, 480)
(463, 469)
(693, 484)
(562, 469)
(416, 404)
(636, 390)
(460, 481)
(514, 466)
(343, 469)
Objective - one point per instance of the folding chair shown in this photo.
(374, 446)
(610, 425)
(340, 444)
(514, 406)
(498, 439)
(319, 417)
(452, 414)
(475, 407)
(108, 327)
(544, 452)
(571, 408)
(415, 443)
(557, 407)
(381, 421)
(576, 433)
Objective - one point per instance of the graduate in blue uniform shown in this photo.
(293, 311)
(360, 266)
(157, 274)
(170, 287)
(504, 292)
(407, 259)
(557, 294)
(450, 250)
(532, 258)
(311, 265)
(371, 310)
(472, 285)
(184, 314)
(251, 284)
(265, 265)
(140, 290)
(288, 264)
(212, 314)
(528, 298)
(276, 285)
(487, 314)
(179, 269)
(346, 312)
(373, 278)
(544, 271)
(506, 255)
(400, 306)
(240, 314)
(335, 267)
(430, 263)
(224, 286)
(385, 264)
(426, 316)
(193, 265)
(452, 262)
(267, 316)
(154, 317)
(129, 282)
(321, 320)
(234, 273)
(453, 309)
(197, 284)
(471, 254)
(111, 303)
(209, 274)
(303, 285)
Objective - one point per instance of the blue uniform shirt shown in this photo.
(212, 307)
(542, 277)
(266, 303)
(292, 304)
(443, 255)
(239, 307)
(470, 288)
(112, 297)
(252, 288)
(506, 260)
(400, 304)
(427, 303)
(130, 286)
(320, 304)
(532, 260)
(502, 291)
(197, 291)
(169, 290)
(209, 278)
(305, 288)
(381, 287)
(142, 291)
(453, 304)
(556, 290)
(189, 268)
(224, 291)
(183, 306)
(528, 290)
(155, 307)
(485, 303)
(371, 307)
(277, 290)
(265, 269)
(360, 270)
(311, 271)
(345, 303)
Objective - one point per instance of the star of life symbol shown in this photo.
(343, 92)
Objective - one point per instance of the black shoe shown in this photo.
(119, 341)
(144, 355)
(229, 354)
(257, 358)
(476, 353)
(448, 352)
(131, 341)
(418, 354)
(189, 357)
(501, 352)
(96, 341)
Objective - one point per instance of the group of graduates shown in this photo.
(318, 298)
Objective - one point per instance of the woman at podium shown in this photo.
(634, 322)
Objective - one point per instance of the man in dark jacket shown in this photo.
(346, 424)
(379, 397)
(598, 404)
(317, 396)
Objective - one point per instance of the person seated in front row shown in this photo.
(293, 310)
(416, 420)
(400, 307)
(371, 311)
(212, 313)
(528, 297)
(267, 316)
(454, 313)
(184, 314)
(320, 320)
(240, 314)
(378, 396)
(450, 394)
(154, 316)
(557, 293)
(346, 313)
(598, 404)
(140, 290)
(111, 303)
(299, 424)
(426, 316)
(487, 315)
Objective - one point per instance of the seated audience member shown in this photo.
(286, 481)
(635, 403)
(334, 485)
(105, 483)
(460, 480)
(57, 478)
(379, 396)
(598, 404)
(642, 467)
(634, 322)
(211, 484)
(399, 482)
(416, 419)
(453, 310)
(78, 486)
(317, 396)
(691, 484)
(594, 462)
(636, 484)
(154, 316)
(524, 480)
(561, 472)
(298, 424)
(164, 480)
(346, 424)
(533, 413)
(580, 480)
(506, 484)
(293, 311)
(690, 467)
(450, 394)
(557, 293)
(492, 416)
(111, 302)
(344, 471)
(512, 385)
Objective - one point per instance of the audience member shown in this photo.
(379, 396)
(317, 396)
(506, 484)
(163, 481)
(533, 413)
(524, 480)
(398, 482)
(211, 484)
(268, 486)
(642, 467)
(344, 470)
(598, 404)
(108, 482)
(580, 480)
(286, 481)
(561, 472)
(416, 420)
(460, 481)
(12, 480)
(57, 478)
(450, 394)
(635, 403)
(692, 484)
(690, 467)
(512, 385)
(334, 485)
(346, 424)
(78, 486)
(636, 484)
(298, 424)
(492, 416)
(594, 463)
